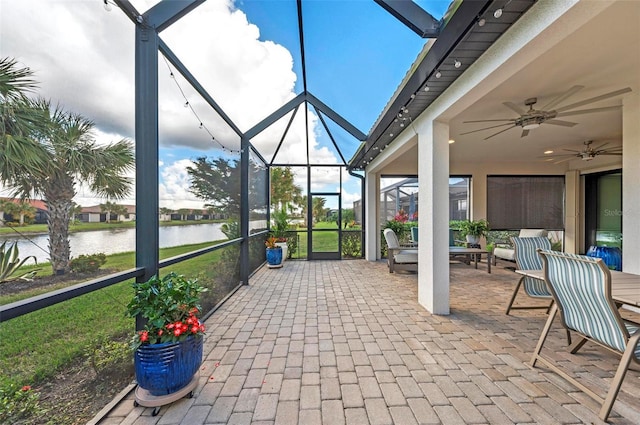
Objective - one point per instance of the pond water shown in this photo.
(115, 240)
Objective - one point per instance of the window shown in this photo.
(459, 197)
(525, 202)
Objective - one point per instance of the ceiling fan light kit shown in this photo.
(532, 118)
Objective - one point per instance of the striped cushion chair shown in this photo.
(527, 258)
(581, 288)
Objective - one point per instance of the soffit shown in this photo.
(460, 43)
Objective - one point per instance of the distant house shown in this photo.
(40, 215)
(94, 214)
(130, 215)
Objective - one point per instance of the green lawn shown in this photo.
(37, 345)
(323, 241)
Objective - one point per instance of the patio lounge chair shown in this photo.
(527, 258)
(581, 288)
(399, 257)
(506, 251)
(414, 236)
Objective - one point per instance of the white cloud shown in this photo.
(83, 57)
(174, 187)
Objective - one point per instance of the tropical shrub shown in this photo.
(88, 263)
(352, 244)
(10, 263)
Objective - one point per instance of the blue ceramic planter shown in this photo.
(611, 255)
(165, 368)
(274, 256)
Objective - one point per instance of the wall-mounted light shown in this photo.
(451, 141)
(549, 152)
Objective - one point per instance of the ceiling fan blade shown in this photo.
(505, 119)
(594, 99)
(573, 90)
(601, 146)
(501, 131)
(565, 159)
(487, 128)
(561, 156)
(519, 110)
(525, 133)
(560, 122)
(589, 111)
(571, 150)
(609, 153)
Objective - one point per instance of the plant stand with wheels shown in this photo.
(144, 397)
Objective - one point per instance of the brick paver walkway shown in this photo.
(345, 342)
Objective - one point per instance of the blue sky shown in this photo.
(246, 54)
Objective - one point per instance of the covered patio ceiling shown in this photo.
(602, 56)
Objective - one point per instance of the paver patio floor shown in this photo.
(345, 342)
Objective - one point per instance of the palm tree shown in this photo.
(17, 121)
(21, 209)
(108, 207)
(318, 209)
(55, 151)
(76, 210)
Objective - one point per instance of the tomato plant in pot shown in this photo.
(168, 351)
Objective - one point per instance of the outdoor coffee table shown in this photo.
(476, 253)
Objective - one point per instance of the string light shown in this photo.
(187, 104)
(438, 74)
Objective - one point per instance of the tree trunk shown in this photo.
(59, 203)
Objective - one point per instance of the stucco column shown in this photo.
(372, 206)
(572, 238)
(433, 255)
(630, 178)
(478, 193)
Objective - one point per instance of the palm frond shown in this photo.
(15, 81)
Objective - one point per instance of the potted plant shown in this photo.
(474, 230)
(274, 253)
(168, 351)
(279, 230)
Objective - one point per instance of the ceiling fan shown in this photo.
(586, 154)
(533, 118)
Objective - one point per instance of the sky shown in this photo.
(245, 53)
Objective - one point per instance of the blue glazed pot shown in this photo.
(165, 368)
(274, 256)
(611, 255)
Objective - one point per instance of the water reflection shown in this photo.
(116, 240)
